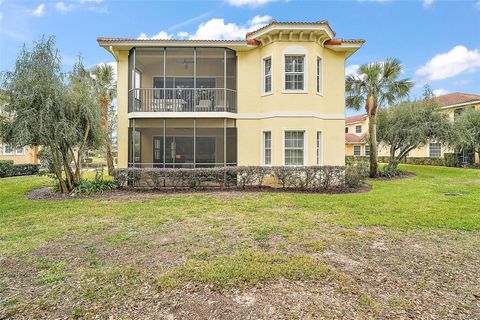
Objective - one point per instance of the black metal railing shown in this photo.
(182, 100)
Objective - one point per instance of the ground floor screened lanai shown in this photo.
(182, 143)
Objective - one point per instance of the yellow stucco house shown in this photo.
(22, 155)
(275, 98)
(453, 104)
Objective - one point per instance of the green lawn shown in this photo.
(405, 249)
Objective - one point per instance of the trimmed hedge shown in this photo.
(293, 178)
(8, 169)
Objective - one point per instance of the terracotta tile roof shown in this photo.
(357, 118)
(457, 98)
(275, 22)
(102, 39)
(353, 138)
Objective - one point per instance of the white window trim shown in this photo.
(320, 93)
(356, 126)
(305, 146)
(262, 76)
(296, 50)
(20, 154)
(262, 147)
(441, 150)
(365, 150)
(357, 155)
(318, 154)
(5, 153)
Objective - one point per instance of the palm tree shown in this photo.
(104, 76)
(374, 85)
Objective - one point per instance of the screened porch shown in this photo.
(182, 143)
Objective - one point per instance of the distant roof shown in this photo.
(357, 118)
(456, 98)
(353, 138)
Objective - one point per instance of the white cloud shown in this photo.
(98, 9)
(450, 64)
(427, 3)
(87, 1)
(39, 11)
(217, 29)
(352, 69)
(182, 34)
(440, 92)
(249, 3)
(62, 7)
(161, 35)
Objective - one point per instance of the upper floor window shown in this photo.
(295, 72)
(267, 75)
(358, 128)
(319, 75)
(294, 148)
(346, 129)
(435, 150)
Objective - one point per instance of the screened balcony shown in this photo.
(182, 80)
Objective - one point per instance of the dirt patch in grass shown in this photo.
(402, 175)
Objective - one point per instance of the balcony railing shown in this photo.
(182, 100)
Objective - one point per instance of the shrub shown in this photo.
(25, 169)
(355, 173)
(451, 159)
(6, 168)
(388, 172)
(94, 186)
(297, 178)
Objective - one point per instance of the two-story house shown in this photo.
(275, 98)
(454, 104)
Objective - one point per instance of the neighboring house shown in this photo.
(454, 104)
(275, 98)
(355, 129)
(21, 155)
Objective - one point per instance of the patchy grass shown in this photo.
(405, 249)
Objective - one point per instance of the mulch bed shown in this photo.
(46, 193)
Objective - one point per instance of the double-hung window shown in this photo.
(8, 150)
(319, 148)
(267, 75)
(294, 148)
(435, 150)
(358, 128)
(295, 72)
(367, 149)
(357, 150)
(319, 75)
(267, 148)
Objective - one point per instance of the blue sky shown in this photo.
(437, 41)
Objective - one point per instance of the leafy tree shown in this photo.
(49, 108)
(466, 132)
(411, 125)
(375, 85)
(106, 90)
